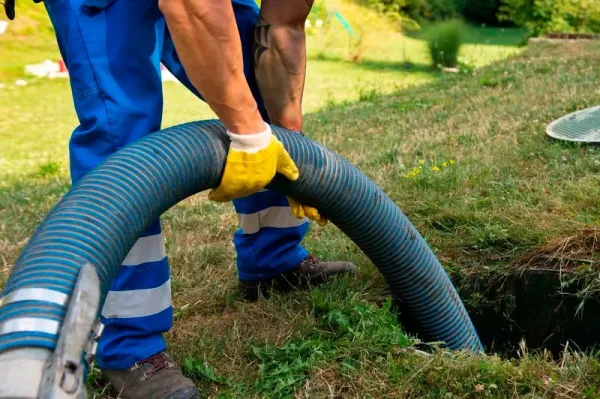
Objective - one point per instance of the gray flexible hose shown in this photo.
(102, 216)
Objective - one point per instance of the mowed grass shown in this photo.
(466, 158)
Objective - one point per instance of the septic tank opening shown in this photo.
(549, 299)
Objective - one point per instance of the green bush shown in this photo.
(539, 17)
(444, 41)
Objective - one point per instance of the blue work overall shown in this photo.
(113, 50)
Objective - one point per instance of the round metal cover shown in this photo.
(582, 126)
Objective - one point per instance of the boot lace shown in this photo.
(158, 362)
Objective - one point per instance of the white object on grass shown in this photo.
(3, 26)
(581, 126)
(20, 82)
(42, 69)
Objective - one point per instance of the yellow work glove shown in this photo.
(301, 211)
(252, 162)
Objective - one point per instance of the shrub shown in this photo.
(444, 41)
(544, 16)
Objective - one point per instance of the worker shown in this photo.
(248, 64)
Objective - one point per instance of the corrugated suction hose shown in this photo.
(101, 217)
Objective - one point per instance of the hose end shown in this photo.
(21, 368)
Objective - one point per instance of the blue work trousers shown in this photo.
(113, 50)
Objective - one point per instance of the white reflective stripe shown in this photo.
(35, 294)
(137, 303)
(29, 324)
(146, 249)
(276, 216)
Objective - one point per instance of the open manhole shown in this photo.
(550, 300)
(534, 308)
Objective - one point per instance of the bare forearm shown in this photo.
(280, 59)
(207, 42)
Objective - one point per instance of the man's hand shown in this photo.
(207, 41)
(280, 59)
(302, 211)
(280, 68)
(252, 162)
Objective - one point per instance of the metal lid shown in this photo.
(581, 126)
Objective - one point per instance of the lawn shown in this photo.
(466, 158)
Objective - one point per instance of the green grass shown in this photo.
(465, 156)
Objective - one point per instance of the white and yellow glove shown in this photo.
(301, 211)
(252, 162)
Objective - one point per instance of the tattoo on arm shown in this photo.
(261, 41)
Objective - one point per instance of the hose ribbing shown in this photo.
(102, 216)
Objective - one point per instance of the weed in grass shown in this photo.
(488, 80)
(367, 94)
(283, 368)
(48, 169)
(348, 332)
(543, 69)
(205, 376)
(427, 174)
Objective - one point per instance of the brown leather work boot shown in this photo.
(157, 377)
(310, 272)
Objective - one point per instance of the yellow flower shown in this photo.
(444, 164)
(452, 162)
(421, 161)
(415, 171)
(435, 168)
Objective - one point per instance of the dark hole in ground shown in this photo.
(534, 308)
(530, 307)
(537, 300)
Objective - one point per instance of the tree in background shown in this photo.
(539, 17)
(482, 11)
(479, 11)
(435, 10)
